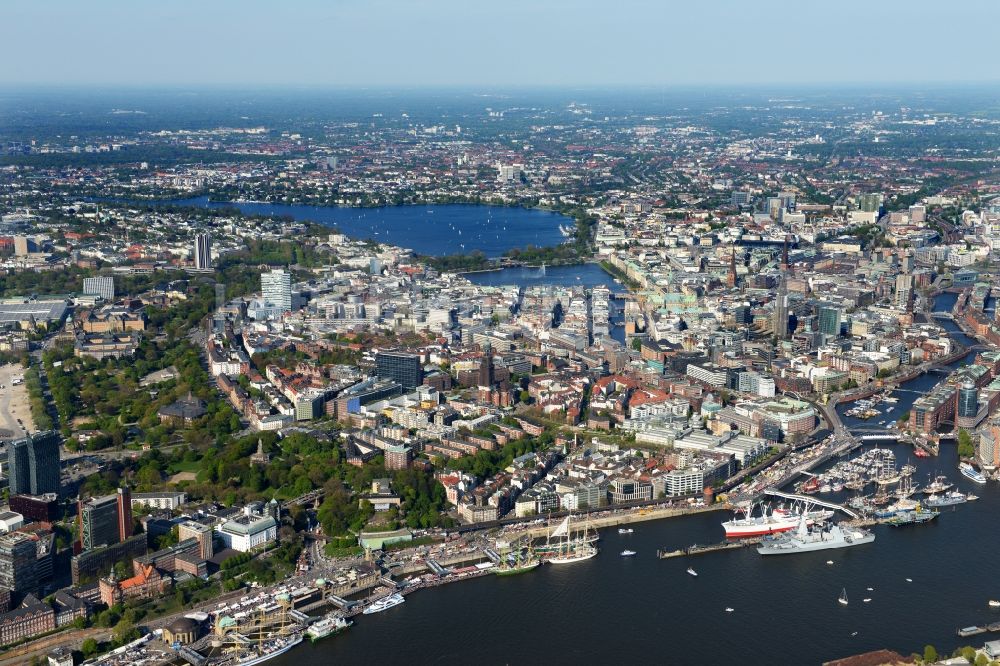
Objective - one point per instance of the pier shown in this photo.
(976, 630)
(712, 548)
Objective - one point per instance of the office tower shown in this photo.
(968, 400)
(18, 558)
(33, 464)
(742, 314)
(203, 251)
(103, 521)
(904, 291)
(276, 288)
(203, 533)
(870, 203)
(829, 320)
(400, 367)
(779, 324)
(103, 286)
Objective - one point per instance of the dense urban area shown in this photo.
(253, 390)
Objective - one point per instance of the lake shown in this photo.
(434, 230)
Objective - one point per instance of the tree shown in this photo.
(89, 647)
(636, 344)
(930, 654)
(966, 448)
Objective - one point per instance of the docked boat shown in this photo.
(950, 498)
(385, 603)
(570, 548)
(269, 650)
(939, 485)
(775, 522)
(577, 553)
(329, 624)
(627, 553)
(517, 564)
(969, 472)
(971, 498)
(915, 517)
(804, 540)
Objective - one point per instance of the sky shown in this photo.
(413, 43)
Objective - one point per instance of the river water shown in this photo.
(434, 230)
(616, 610)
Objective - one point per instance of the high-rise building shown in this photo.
(779, 323)
(968, 400)
(18, 562)
(103, 521)
(276, 288)
(102, 285)
(190, 529)
(904, 291)
(33, 464)
(400, 367)
(203, 251)
(829, 320)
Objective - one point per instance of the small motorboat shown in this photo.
(909, 580)
(866, 599)
(692, 571)
(971, 498)
(729, 610)
(628, 553)
(994, 603)
(829, 561)
(625, 530)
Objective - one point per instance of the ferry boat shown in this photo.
(969, 472)
(330, 624)
(385, 603)
(269, 650)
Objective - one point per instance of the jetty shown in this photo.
(711, 548)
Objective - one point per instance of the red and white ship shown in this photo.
(778, 520)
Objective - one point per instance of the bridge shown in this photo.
(811, 500)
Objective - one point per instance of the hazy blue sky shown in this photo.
(497, 42)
